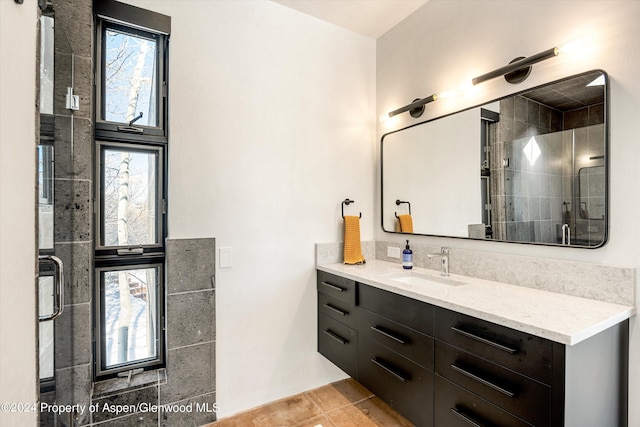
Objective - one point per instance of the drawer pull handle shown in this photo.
(336, 336)
(483, 381)
(332, 286)
(484, 340)
(466, 418)
(336, 310)
(388, 334)
(387, 368)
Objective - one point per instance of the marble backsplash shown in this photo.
(328, 253)
(594, 281)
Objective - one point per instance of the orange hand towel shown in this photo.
(352, 246)
(406, 223)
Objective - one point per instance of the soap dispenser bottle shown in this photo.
(407, 257)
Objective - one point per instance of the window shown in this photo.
(130, 196)
(130, 206)
(131, 82)
(131, 302)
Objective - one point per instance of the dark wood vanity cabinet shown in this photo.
(510, 371)
(337, 336)
(395, 352)
(441, 368)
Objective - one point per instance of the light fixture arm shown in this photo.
(517, 65)
(415, 104)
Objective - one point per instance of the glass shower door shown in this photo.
(46, 278)
(556, 187)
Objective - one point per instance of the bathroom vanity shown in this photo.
(461, 351)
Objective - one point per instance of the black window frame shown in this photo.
(106, 251)
(101, 368)
(110, 14)
(105, 127)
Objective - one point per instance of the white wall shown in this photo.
(417, 168)
(18, 379)
(447, 42)
(272, 125)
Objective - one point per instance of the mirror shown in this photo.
(528, 168)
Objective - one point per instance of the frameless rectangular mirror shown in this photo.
(528, 168)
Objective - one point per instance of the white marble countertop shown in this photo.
(562, 318)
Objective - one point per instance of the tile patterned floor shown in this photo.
(342, 404)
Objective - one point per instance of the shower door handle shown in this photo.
(58, 286)
(566, 235)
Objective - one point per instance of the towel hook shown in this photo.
(348, 202)
(398, 204)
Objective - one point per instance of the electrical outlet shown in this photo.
(393, 252)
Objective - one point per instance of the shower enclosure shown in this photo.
(554, 187)
(64, 222)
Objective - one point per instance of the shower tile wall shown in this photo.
(536, 184)
(189, 377)
(532, 204)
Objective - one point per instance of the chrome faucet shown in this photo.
(444, 264)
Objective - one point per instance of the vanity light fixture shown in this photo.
(416, 108)
(516, 71)
(519, 68)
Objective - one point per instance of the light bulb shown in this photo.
(572, 46)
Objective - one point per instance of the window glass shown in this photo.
(130, 85)
(130, 314)
(130, 187)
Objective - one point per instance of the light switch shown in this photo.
(225, 257)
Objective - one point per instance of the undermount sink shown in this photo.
(421, 279)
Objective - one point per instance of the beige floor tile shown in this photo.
(293, 411)
(382, 414)
(339, 394)
(342, 404)
(369, 413)
(321, 421)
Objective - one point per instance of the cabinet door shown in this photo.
(407, 342)
(515, 393)
(407, 311)
(405, 386)
(338, 343)
(456, 407)
(524, 353)
(337, 287)
(341, 311)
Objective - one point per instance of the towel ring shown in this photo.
(398, 202)
(348, 202)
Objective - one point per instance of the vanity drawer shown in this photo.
(456, 407)
(407, 311)
(401, 383)
(517, 394)
(521, 352)
(337, 309)
(405, 341)
(338, 343)
(337, 287)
